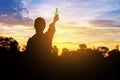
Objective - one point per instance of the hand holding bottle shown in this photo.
(56, 18)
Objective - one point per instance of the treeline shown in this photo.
(84, 63)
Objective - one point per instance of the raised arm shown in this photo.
(52, 25)
(51, 29)
(56, 18)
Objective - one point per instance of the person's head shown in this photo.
(39, 24)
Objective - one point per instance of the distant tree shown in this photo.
(55, 50)
(65, 52)
(82, 46)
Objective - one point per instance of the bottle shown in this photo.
(56, 12)
(56, 17)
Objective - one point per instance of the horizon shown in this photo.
(91, 22)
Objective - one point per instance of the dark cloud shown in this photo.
(105, 23)
(11, 12)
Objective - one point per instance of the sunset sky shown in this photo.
(92, 22)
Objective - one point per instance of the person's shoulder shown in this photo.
(31, 38)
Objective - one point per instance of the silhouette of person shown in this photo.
(40, 44)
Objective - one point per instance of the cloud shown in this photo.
(13, 12)
(73, 10)
(105, 23)
(64, 43)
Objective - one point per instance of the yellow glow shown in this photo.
(66, 36)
